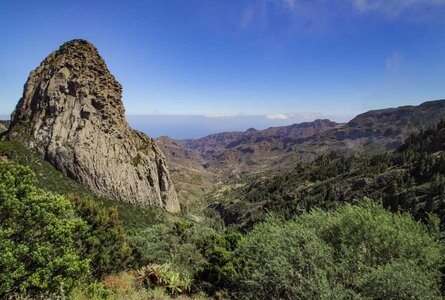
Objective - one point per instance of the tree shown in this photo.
(39, 236)
(104, 241)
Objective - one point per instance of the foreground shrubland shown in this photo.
(64, 246)
(355, 252)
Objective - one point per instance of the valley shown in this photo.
(93, 209)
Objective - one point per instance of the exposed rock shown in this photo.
(187, 171)
(72, 113)
(3, 126)
(234, 153)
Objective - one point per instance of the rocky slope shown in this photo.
(3, 126)
(187, 169)
(230, 154)
(383, 129)
(71, 112)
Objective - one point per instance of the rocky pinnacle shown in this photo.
(72, 113)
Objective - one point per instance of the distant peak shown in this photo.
(251, 130)
(323, 121)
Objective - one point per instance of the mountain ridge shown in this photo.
(381, 129)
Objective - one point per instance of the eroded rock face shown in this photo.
(72, 113)
(3, 127)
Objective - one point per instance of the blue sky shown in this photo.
(277, 58)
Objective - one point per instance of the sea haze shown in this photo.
(195, 126)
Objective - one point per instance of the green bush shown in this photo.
(39, 236)
(218, 271)
(353, 252)
(169, 243)
(284, 261)
(369, 235)
(104, 241)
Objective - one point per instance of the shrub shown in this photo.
(353, 252)
(367, 239)
(284, 261)
(169, 243)
(104, 241)
(218, 271)
(166, 277)
(39, 236)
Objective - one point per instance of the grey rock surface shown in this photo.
(3, 127)
(72, 113)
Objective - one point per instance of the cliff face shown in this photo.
(3, 126)
(72, 113)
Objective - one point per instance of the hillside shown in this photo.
(234, 154)
(51, 180)
(192, 180)
(410, 179)
(383, 129)
(230, 154)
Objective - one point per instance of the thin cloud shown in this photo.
(393, 62)
(222, 116)
(293, 116)
(321, 12)
(277, 116)
(256, 14)
(393, 8)
(247, 17)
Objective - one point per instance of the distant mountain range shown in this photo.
(235, 154)
(277, 147)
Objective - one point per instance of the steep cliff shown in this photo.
(71, 112)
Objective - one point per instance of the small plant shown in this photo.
(164, 276)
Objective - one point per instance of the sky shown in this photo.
(225, 60)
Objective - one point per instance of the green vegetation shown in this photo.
(51, 180)
(40, 237)
(354, 252)
(411, 179)
(104, 242)
(313, 233)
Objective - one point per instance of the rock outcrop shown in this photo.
(72, 113)
(3, 126)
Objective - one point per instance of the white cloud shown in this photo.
(277, 116)
(393, 62)
(291, 4)
(293, 116)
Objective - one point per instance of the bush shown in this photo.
(355, 251)
(169, 243)
(104, 241)
(284, 261)
(367, 236)
(218, 271)
(39, 237)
